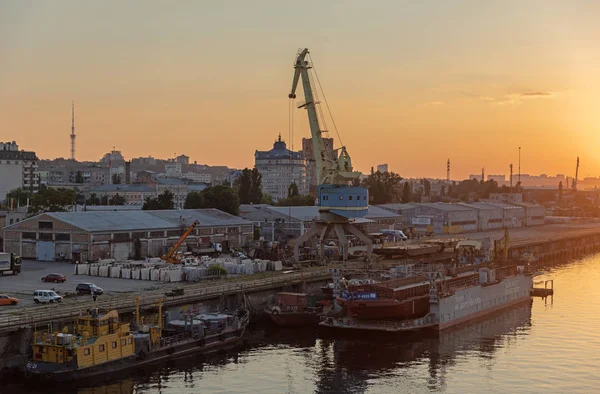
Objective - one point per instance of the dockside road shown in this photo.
(12, 319)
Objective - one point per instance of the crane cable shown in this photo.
(325, 99)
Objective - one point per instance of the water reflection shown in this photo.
(355, 363)
(336, 365)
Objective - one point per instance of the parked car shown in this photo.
(46, 297)
(8, 300)
(56, 278)
(88, 288)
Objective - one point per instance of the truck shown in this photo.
(10, 264)
(210, 249)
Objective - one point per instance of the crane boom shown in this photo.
(330, 171)
(170, 257)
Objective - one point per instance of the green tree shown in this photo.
(293, 190)
(19, 197)
(79, 177)
(249, 186)
(93, 200)
(117, 199)
(194, 200)
(426, 187)
(296, 201)
(267, 199)
(256, 189)
(383, 187)
(51, 200)
(406, 194)
(223, 198)
(104, 200)
(244, 186)
(163, 201)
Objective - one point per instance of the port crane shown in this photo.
(339, 203)
(171, 257)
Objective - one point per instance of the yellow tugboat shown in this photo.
(101, 344)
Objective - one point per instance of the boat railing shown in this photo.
(170, 340)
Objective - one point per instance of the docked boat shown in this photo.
(101, 344)
(483, 290)
(296, 309)
(327, 290)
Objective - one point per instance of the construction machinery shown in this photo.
(171, 257)
(501, 247)
(339, 203)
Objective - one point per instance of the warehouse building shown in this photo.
(446, 218)
(513, 215)
(277, 223)
(534, 214)
(406, 211)
(489, 217)
(82, 236)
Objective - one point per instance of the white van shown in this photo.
(46, 296)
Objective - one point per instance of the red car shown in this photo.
(56, 278)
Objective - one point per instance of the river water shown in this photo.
(549, 346)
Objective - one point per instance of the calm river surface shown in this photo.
(550, 346)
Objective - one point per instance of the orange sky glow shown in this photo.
(409, 83)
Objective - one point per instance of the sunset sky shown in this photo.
(410, 83)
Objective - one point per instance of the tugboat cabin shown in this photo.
(98, 338)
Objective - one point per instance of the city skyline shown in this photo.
(417, 93)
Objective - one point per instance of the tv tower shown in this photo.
(73, 131)
(448, 171)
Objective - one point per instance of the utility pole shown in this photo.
(511, 173)
(73, 130)
(519, 183)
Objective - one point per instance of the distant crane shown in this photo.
(574, 182)
(339, 203)
(171, 257)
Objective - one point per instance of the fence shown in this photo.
(56, 312)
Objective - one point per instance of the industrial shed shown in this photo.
(406, 211)
(514, 215)
(447, 218)
(291, 222)
(534, 214)
(81, 236)
(489, 216)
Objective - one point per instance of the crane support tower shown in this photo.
(339, 203)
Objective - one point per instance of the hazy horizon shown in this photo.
(410, 84)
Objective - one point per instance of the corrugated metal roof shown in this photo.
(146, 220)
(445, 206)
(123, 188)
(504, 205)
(399, 207)
(312, 212)
(480, 205)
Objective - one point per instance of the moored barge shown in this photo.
(103, 345)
